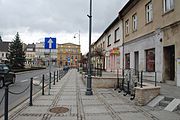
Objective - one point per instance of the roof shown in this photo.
(4, 46)
(30, 46)
(69, 44)
(127, 7)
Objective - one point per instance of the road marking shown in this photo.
(24, 80)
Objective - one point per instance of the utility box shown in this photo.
(178, 72)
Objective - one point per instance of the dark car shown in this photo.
(66, 67)
(6, 75)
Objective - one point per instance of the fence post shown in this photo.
(43, 84)
(141, 79)
(100, 69)
(57, 76)
(49, 83)
(54, 79)
(155, 79)
(138, 76)
(50, 80)
(6, 102)
(30, 100)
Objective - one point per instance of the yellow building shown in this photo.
(69, 54)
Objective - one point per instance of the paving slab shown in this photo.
(123, 108)
(99, 117)
(172, 105)
(95, 109)
(134, 116)
(155, 101)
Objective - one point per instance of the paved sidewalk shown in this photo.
(105, 104)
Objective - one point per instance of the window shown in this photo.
(127, 58)
(168, 5)
(2, 54)
(76, 57)
(127, 27)
(109, 37)
(66, 50)
(134, 18)
(117, 35)
(149, 15)
(150, 60)
(61, 57)
(72, 57)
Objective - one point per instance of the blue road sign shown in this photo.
(69, 59)
(50, 43)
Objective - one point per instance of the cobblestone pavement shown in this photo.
(104, 104)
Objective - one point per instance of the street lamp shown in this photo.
(79, 47)
(89, 89)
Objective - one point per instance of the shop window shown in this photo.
(127, 58)
(150, 60)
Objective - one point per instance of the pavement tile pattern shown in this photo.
(104, 104)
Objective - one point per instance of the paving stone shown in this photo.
(35, 110)
(42, 102)
(133, 116)
(66, 102)
(91, 102)
(28, 118)
(108, 96)
(165, 115)
(64, 118)
(99, 117)
(46, 97)
(123, 108)
(89, 97)
(68, 97)
(115, 101)
(95, 109)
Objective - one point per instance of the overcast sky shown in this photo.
(37, 19)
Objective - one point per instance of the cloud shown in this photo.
(38, 18)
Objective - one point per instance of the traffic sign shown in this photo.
(69, 59)
(50, 43)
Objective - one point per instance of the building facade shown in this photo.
(69, 54)
(4, 47)
(43, 55)
(30, 55)
(151, 37)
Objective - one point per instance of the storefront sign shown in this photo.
(114, 51)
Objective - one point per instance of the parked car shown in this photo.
(66, 67)
(6, 75)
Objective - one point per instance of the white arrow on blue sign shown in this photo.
(50, 43)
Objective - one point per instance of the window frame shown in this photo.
(117, 35)
(127, 26)
(108, 41)
(149, 12)
(171, 7)
(134, 22)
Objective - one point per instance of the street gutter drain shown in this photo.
(59, 110)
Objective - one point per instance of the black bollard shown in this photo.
(141, 79)
(43, 84)
(6, 102)
(155, 79)
(30, 99)
(50, 80)
(57, 76)
(54, 79)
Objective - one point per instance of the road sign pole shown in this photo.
(49, 71)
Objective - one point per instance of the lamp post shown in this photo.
(79, 46)
(89, 89)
